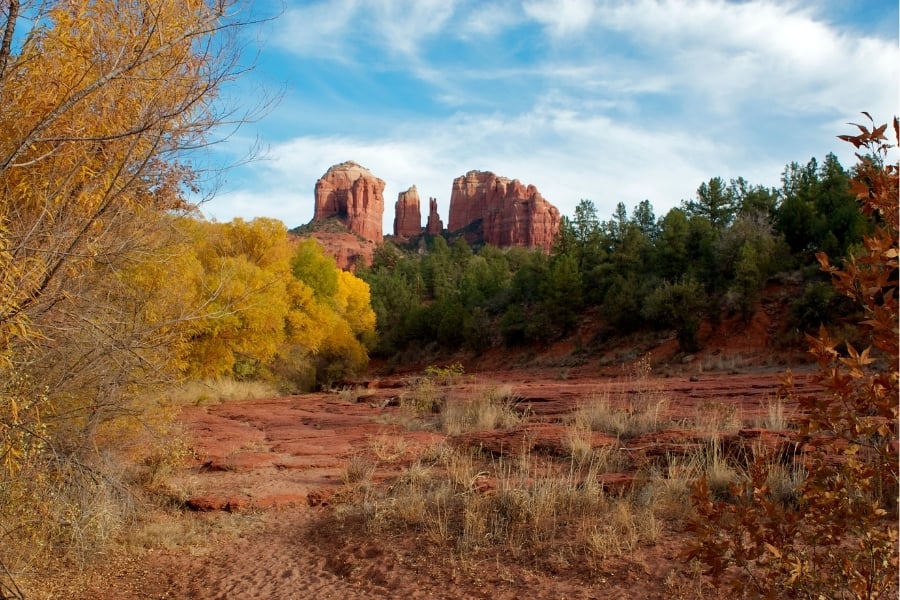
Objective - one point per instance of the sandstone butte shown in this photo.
(510, 213)
(355, 196)
(407, 214)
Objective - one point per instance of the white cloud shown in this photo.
(333, 29)
(488, 18)
(562, 17)
(318, 30)
(403, 24)
(735, 55)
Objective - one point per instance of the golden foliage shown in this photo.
(256, 306)
(101, 100)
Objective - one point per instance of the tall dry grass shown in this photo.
(494, 408)
(531, 505)
(220, 389)
(775, 417)
(528, 505)
(643, 414)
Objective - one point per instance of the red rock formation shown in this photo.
(434, 226)
(407, 215)
(510, 213)
(350, 192)
(346, 248)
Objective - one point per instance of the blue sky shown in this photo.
(614, 101)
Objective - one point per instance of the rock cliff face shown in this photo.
(407, 215)
(434, 226)
(350, 192)
(503, 212)
(346, 249)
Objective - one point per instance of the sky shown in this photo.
(612, 101)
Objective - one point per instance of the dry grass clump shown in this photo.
(353, 394)
(717, 418)
(388, 448)
(667, 486)
(578, 443)
(784, 483)
(642, 414)
(775, 418)
(603, 459)
(720, 473)
(640, 411)
(620, 532)
(495, 408)
(358, 470)
(528, 505)
(422, 397)
(220, 389)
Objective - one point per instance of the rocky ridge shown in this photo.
(502, 211)
(355, 196)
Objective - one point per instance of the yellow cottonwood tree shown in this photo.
(254, 303)
(101, 102)
(332, 324)
(354, 305)
(99, 99)
(270, 295)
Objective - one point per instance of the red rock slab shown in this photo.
(663, 444)
(276, 451)
(280, 500)
(280, 448)
(240, 461)
(545, 438)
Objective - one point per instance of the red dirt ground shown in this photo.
(280, 461)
